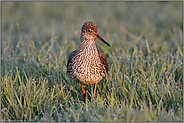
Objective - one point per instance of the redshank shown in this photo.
(88, 65)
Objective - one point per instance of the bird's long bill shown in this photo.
(101, 39)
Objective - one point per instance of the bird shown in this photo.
(87, 65)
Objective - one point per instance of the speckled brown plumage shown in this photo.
(88, 65)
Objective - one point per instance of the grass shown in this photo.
(145, 78)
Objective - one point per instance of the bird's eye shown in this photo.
(89, 30)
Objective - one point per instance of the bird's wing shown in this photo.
(103, 59)
(70, 57)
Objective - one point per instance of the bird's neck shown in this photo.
(88, 46)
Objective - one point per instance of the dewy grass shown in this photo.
(145, 77)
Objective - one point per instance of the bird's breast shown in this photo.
(87, 67)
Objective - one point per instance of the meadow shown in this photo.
(145, 77)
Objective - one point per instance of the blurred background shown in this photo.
(39, 21)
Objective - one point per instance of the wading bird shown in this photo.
(87, 65)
